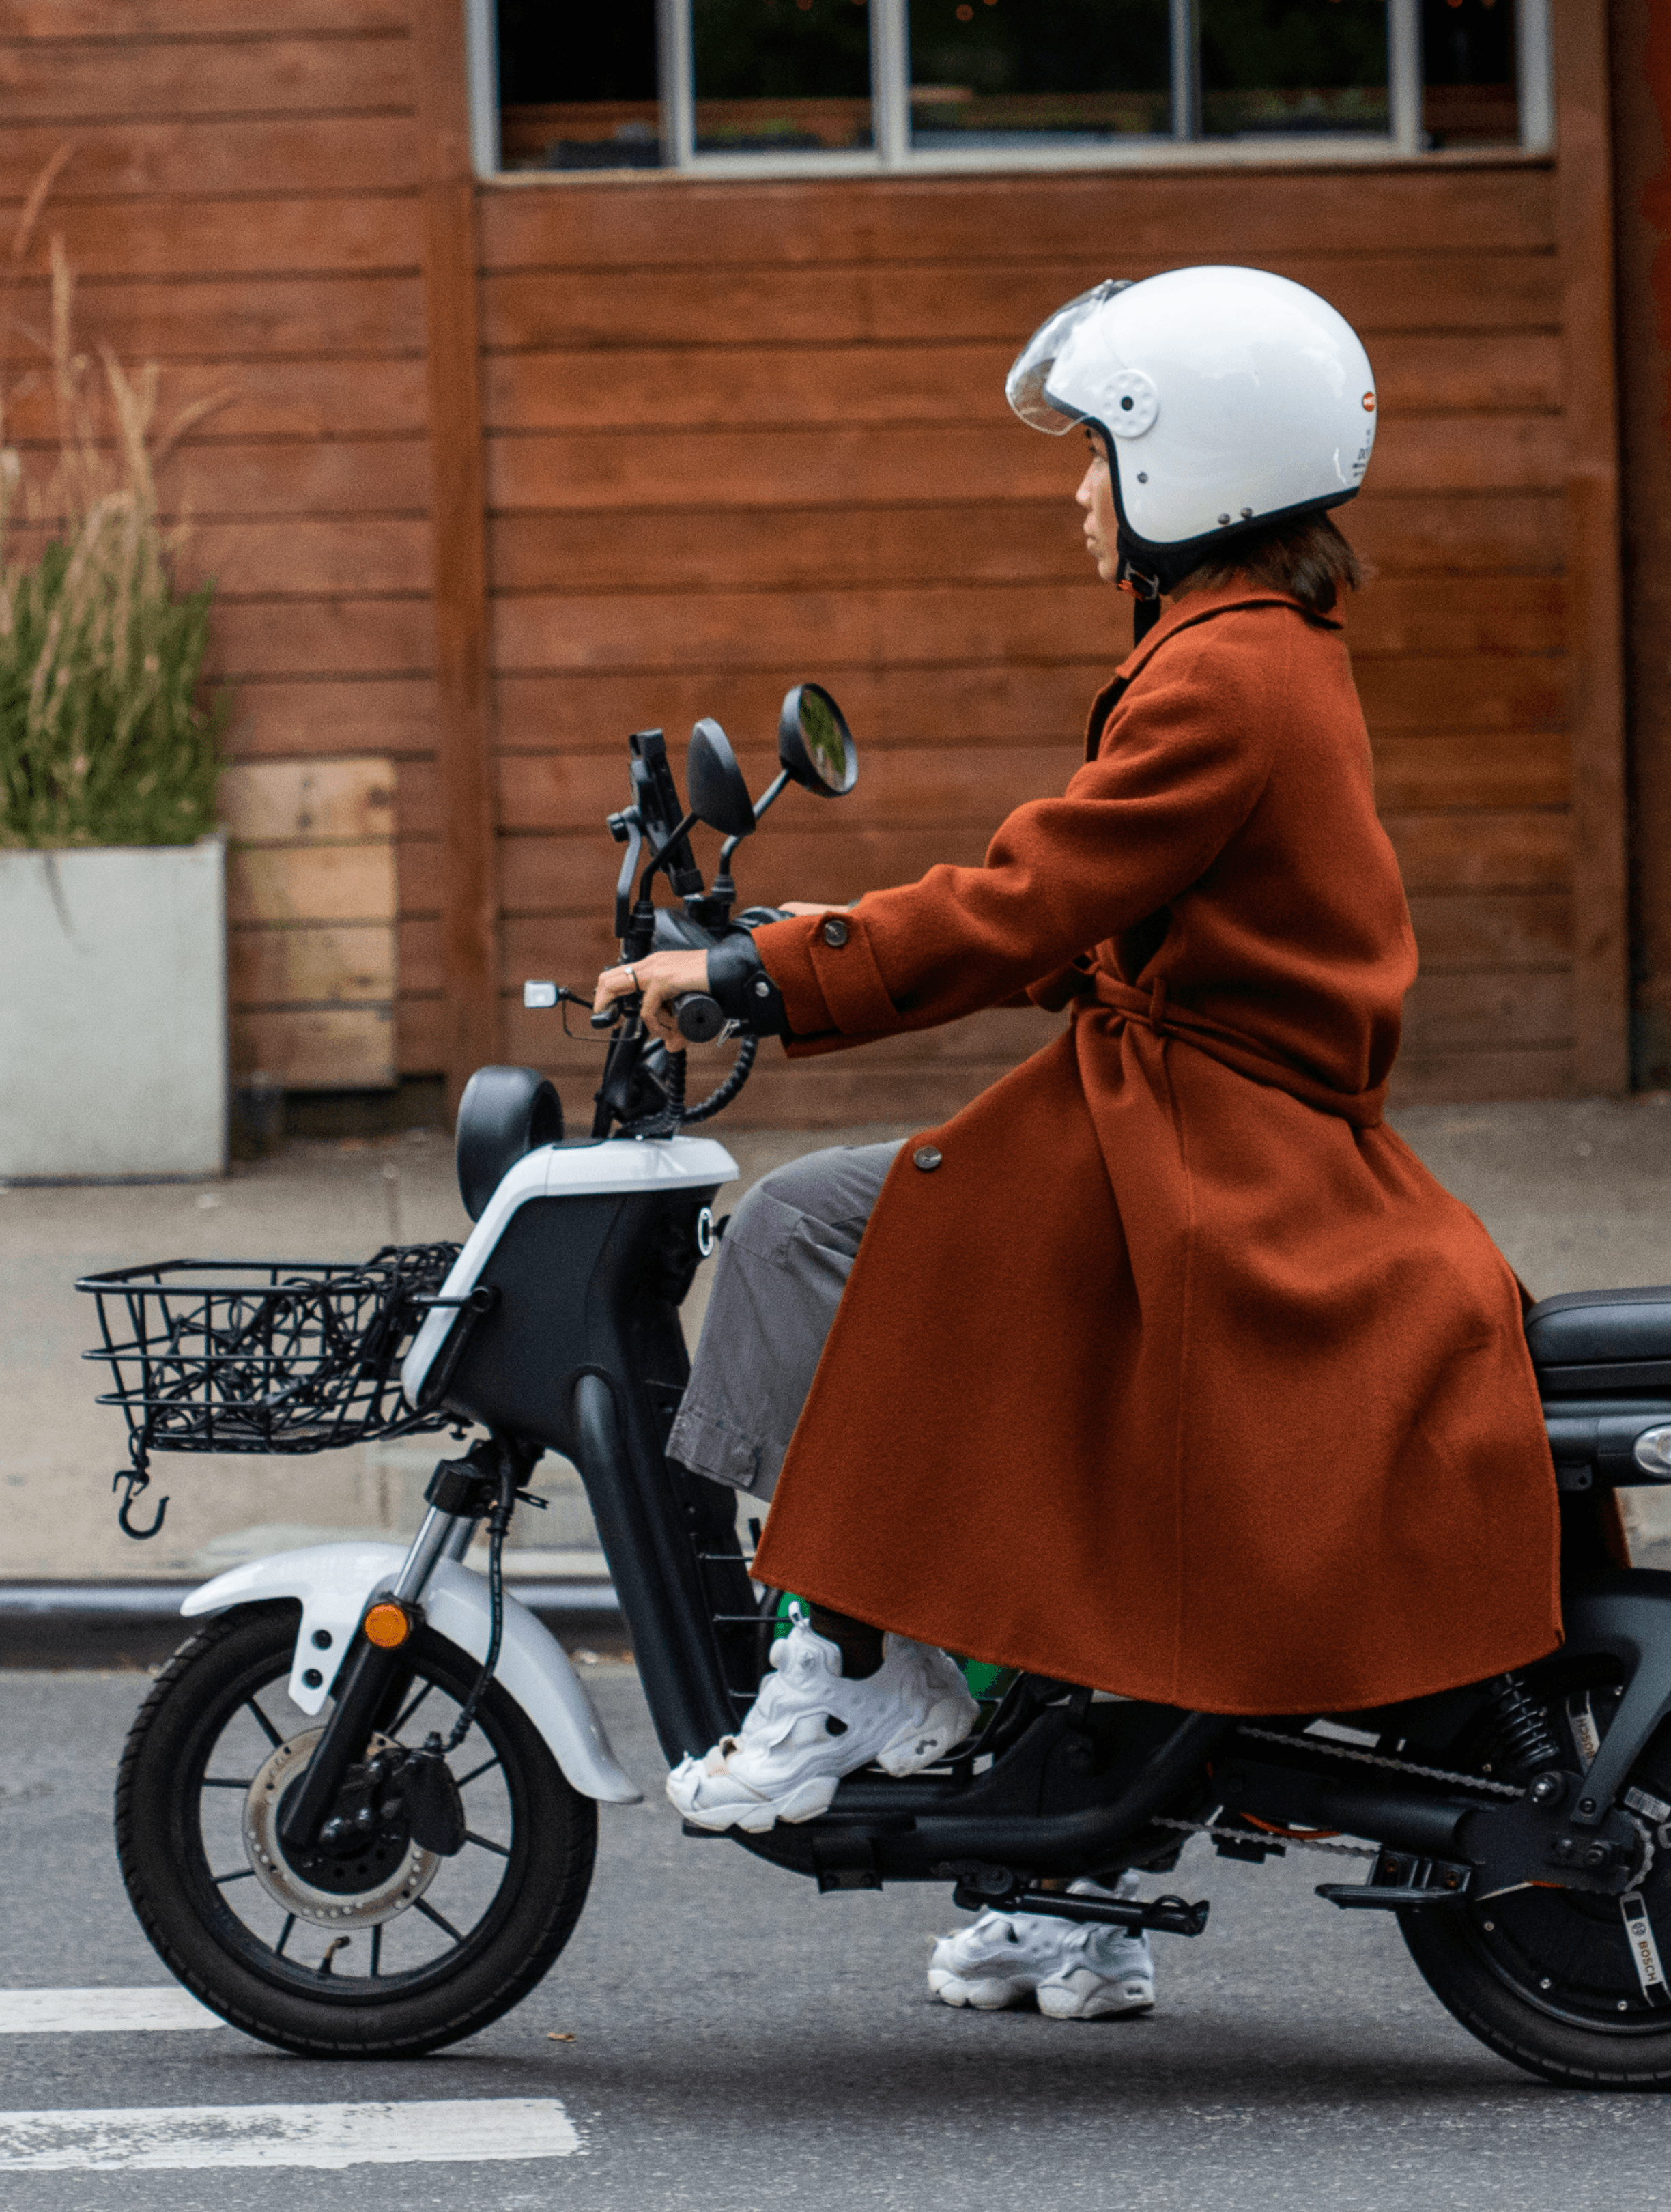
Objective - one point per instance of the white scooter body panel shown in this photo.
(618, 1164)
(334, 1583)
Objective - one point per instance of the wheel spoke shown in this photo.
(376, 1949)
(430, 1913)
(471, 1837)
(285, 1934)
(265, 1725)
(223, 1782)
(411, 1709)
(237, 1873)
(487, 1765)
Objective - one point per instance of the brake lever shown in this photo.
(698, 1017)
(627, 1007)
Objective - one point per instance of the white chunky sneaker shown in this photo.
(808, 1727)
(1083, 1971)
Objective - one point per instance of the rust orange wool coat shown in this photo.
(1179, 1375)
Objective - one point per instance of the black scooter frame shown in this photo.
(581, 1350)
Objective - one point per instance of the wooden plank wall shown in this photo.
(1642, 115)
(311, 911)
(738, 436)
(242, 205)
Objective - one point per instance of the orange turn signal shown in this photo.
(387, 1624)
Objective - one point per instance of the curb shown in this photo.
(101, 1624)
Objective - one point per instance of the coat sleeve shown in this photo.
(1181, 765)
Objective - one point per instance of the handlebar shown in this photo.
(697, 1018)
(635, 1057)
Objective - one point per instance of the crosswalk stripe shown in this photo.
(82, 2012)
(163, 2136)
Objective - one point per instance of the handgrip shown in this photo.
(698, 1019)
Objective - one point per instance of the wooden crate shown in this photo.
(312, 909)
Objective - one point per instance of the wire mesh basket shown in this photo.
(264, 1355)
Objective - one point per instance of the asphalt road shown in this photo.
(741, 2044)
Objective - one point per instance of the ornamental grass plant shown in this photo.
(103, 739)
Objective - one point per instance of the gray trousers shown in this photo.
(783, 1264)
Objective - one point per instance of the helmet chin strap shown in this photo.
(1145, 588)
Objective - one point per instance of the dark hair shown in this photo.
(1310, 558)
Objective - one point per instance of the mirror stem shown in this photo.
(760, 803)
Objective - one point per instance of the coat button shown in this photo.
(926, 1158)
(834, 930)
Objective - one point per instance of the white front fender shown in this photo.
(334, 1581)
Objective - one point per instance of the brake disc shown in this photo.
(384, 1876)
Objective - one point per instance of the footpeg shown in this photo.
(1397, 1880)
(1166, 1916)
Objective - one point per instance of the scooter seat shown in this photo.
(1590, 1342)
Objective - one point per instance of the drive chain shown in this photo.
(1378, 1758)
(1276, 1839)
(1282, 1838)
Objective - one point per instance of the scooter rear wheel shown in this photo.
(385, 1951)
(1543, 1977)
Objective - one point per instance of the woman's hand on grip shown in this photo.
(662, 977)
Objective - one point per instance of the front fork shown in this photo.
(374, 1679)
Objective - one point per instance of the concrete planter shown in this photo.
(114, 1012)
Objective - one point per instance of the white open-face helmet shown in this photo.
(1231, 399)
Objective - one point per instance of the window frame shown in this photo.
(893, 156)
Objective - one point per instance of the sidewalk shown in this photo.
(1578, 1195)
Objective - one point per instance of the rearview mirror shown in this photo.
(718, 795)
(815, 747)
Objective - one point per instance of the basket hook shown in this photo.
(136, 1480)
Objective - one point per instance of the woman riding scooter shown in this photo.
(1164, 1367)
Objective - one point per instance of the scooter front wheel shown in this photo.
(376, 1949)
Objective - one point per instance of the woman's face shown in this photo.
(1096, 496)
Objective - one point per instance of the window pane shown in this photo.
(773, 75)
(1292, 66)
(577, 87)
(1021, 73)
(1469, 97)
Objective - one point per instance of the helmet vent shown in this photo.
(1138, 402)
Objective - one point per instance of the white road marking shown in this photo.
(460, 2129)
(105, 2012)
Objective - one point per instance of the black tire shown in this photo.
(1482, 1984)
(170, 1815)
(1546, 1977)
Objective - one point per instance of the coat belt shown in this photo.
(1151, 1009)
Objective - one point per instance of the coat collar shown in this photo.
(1202, 606)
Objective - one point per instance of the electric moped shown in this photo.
(356, 1814)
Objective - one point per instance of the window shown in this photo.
(741, 86)
(776, 77)
(1010, 76)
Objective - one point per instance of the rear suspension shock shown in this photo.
(1524, 1735)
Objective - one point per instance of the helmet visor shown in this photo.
(1024, 385)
